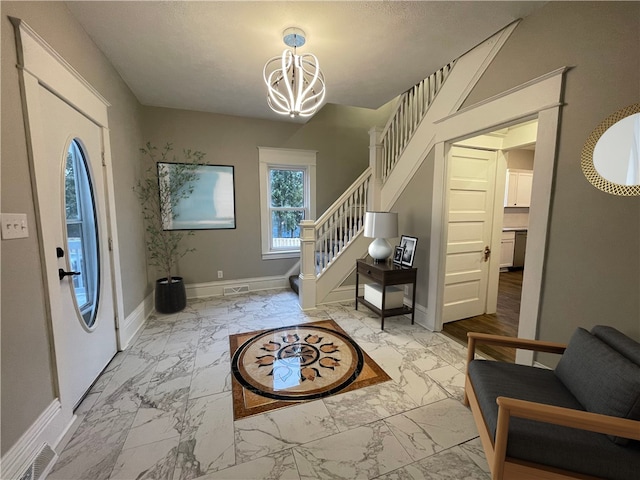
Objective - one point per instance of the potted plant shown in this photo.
(159, 193)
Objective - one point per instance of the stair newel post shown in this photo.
(307, 294)
(376, 162)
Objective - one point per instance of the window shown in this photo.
(287, 196)
(82, 233)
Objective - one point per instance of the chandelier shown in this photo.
(295, 84)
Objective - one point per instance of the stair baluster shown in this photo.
(342, 223)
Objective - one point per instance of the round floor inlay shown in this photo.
(297, 363)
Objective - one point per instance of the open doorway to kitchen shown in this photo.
(504, 321)
(515, 148)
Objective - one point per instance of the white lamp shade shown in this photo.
(380, 224)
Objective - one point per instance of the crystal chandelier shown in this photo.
(295, 84)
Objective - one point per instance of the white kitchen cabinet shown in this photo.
(507, 245)
(518, 189)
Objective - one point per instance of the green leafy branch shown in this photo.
(160, 192)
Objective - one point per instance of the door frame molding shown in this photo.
(541, 98)
(40, 66)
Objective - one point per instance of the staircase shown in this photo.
(330, 245)
(336, 237)
(294, 283)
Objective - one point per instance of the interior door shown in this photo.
(470, 200)
(72, 211)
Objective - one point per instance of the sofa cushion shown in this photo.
(544, 443)
(618, 341)
(601, 379)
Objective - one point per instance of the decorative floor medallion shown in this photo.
(277, 367)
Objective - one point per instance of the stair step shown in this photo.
(294, 281)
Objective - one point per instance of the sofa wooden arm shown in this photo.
(567, 417)
(594, 422)
(474, 338)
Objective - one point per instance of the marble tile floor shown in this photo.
(163, 409)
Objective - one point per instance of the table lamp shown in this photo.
(380, 226)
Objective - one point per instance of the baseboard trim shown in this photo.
(47, 429)
(134, 322)
(421, 317)
(216, 289)
(340, 294)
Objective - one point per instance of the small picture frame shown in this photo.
(397, 255)
(408, 244)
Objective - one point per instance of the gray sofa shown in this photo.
(581, 420)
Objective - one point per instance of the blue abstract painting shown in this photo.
(212, 203)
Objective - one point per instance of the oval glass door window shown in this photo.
(82, 233)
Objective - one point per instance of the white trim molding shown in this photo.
(465, 74)
(216, 289)
(135, 321)
(38, 58)
(541, 98)
(340, 294)
(421, 315)
(48, 429)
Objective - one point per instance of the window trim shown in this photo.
(284, 158)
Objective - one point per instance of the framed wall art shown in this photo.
(409, 252)
(210, 206)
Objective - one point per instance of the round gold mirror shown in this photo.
(611, 154)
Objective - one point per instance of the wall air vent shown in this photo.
(235, 289)
(41, 464)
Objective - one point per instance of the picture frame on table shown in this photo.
(397, 255)
(408, 244)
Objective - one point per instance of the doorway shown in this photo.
(539, 98)
(543, 135)
(491, 303)
(499, 312)
(505, 321)
(67, 131)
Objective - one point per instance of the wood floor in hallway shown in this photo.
(503, 322)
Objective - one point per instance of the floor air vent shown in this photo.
(235, 290)
(40, 464)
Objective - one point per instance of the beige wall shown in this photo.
(592, 269)
(27, 378)
(520, 159)
(339, 134)
(593, 261)
(414, 219)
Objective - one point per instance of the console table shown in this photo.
(386, 274)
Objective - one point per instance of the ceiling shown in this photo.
(209, 55)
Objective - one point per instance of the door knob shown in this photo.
(62, 273)
(487, 253)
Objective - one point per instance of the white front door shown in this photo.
(72, 209)
(470, 200)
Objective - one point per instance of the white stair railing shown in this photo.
(322, 242)
(339, 225)
(410, 111)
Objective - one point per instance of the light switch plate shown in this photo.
(14, 225)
